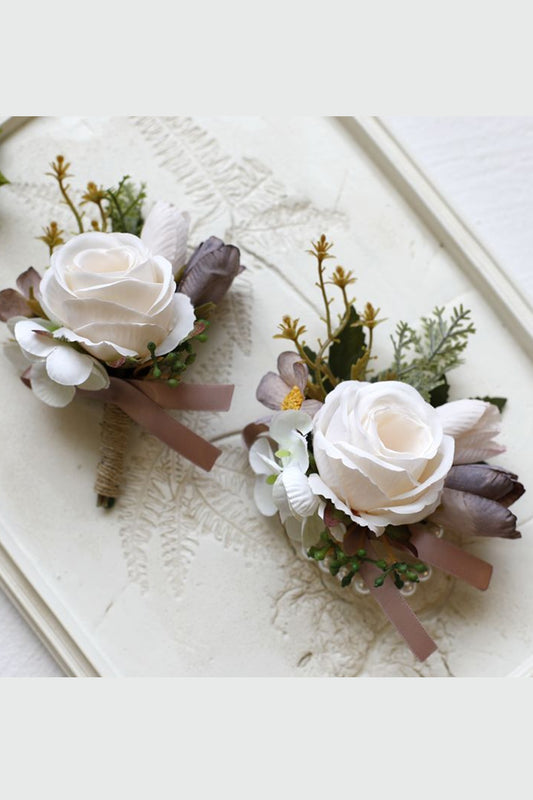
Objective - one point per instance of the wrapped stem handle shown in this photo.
(114, 433)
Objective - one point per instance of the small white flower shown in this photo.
(282, 485)
(56, 367)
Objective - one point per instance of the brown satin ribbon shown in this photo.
(450, 558)
(188, 396)
(397, 610)
(144, 402)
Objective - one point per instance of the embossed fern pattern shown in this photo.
(257, 210)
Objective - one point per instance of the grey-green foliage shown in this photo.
(422, 359)
(124, 206)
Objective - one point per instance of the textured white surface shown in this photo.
(482, 166)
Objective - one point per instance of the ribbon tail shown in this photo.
(396, 608)
(151, 416)
(399, 613)
(447, 556)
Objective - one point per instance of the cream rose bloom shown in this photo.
(113, 295)
(381, 453)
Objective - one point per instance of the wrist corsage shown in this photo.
(374, 474)
(117, 316)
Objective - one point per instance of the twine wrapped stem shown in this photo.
(114, 432)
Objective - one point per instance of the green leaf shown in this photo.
(311, 355)
(499, 402)
(3, 179)
(439, 395)
(348, 349)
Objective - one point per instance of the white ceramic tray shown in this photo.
(184, 577)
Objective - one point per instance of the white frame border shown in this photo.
(484, 272)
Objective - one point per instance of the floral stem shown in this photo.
(69, 203)
(320, 364)
(103, 215)
(347, 304)
(322, 286)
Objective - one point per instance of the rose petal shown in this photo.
(165, 232)
(320, 488)
(184, 324)
(337, 470)
(133, 294)
(105, 351)
(68, 367)
(67, 255)
(76, 314)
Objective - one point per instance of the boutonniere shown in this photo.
(374, 473)
(117, 316)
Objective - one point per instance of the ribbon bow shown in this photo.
(145, 401)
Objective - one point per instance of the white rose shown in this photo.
(381, 453)
(113, 295)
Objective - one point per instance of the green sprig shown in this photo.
(436, 350)
(331, 552)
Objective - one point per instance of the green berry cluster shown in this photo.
(170, 367)
(331, 551)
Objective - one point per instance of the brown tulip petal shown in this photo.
(272, 391)
(13, 304)
(485, 480)
(210, 271)
(473, 515)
